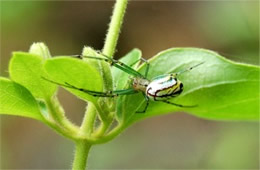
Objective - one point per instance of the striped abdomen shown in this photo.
(164, 87)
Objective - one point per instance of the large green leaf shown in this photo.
(26, 69)
(76, 72)
(17, 100)
(222, 89)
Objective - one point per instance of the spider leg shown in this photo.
(95, 93)
(188, 69)
(146, 105)
(131, 65)
(120, 65)
(147, 65)
(77, 56)
(104, 94)
(179, 105)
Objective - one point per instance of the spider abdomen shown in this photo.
(164, 87)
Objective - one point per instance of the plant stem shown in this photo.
(114, 27)
(111, 135)
(87, 125)
(58, 115)
(83, 146)
(102, 129)
(81, 155)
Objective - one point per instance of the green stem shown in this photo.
(61, 130)
(114, 27)
(88, 122)
(59, 117)
(111, 135)
(101, 130)
(81, 155)
(83, 146)
(101, 113)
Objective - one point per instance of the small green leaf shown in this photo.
(26, 69)
(222, 89)
(17, 100)
(75, 72)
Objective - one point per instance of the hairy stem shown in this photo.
(87, 127)
(81, 155)
(59, 117)
(88, 122)
(111, 135)
(114, 27)
(102, 129)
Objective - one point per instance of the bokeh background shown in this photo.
(173, 141)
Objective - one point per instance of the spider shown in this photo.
(160, 88)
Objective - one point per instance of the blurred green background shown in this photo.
(174, 141)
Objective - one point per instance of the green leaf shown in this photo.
(222, 89)
(26, 69)
(17, 100)
(75, 72)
